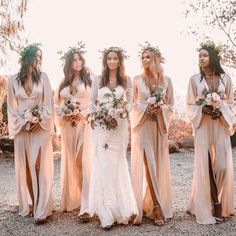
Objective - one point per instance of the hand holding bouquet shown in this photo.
(155, 101)
(157, 98)
(211, 101)
(71, 111)
(33, 117)
(109, 110)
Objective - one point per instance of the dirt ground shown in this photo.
(68, 224)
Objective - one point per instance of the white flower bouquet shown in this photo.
(109, 110)
(157, 98)
(33, 116)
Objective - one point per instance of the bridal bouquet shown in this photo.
(33, 116)
(71, 107)
(211, 101)
(109, 110)
(210, 98)
(157, 98)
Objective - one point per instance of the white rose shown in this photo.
(209, 96)
(112, 112)
(117, 116)
(76, 111)
(28, 115)
(108, 106)
(35, 120)
(89, 119)
(120, 110)
(124, 115)
(215, 97)
(99, 108)
(208, 101)
(104, 100)
(103, 126)
(68, 112)
(160, 103)
(152, 100)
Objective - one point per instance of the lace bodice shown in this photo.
(98, 93)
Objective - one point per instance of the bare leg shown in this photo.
(29, 185)
(214, 194)
(37, 168)
(158, 219)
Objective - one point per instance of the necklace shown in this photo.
(112, 83)
(152, 83)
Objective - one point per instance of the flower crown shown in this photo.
(210, 45)
(26, 51)
(105, 51)
(149, 47)
(80, 49)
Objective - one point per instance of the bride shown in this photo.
(111, 196)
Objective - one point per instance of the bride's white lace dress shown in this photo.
(110, 196)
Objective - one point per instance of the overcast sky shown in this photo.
(125, 23)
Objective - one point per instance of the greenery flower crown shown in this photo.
(26, 52)
(210, 45)
(149, 47)
(79, 49)
(105, 51)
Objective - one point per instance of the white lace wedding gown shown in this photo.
(110, 196)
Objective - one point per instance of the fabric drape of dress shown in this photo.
(111, 195)
(75, 163)
(32, 148)
(151, 137)
(211, 136)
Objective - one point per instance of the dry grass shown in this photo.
(180, 127)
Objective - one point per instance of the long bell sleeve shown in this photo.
(15, 120)
(168, 107)
(47, 122)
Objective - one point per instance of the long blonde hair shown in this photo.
(155, 71)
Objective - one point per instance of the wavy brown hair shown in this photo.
(70, 74)
(121, 77)
(27, 60)
(155, 70)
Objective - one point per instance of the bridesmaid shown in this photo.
(29, 88)
(149, 134)
(74, 88)
(110, 194)
(212, 190)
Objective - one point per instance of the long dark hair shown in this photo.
(214, 61)
(27, 59)
(121, 77)
(69, 72)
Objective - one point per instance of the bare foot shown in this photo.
(158, 219)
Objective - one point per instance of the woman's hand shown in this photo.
(149, 109)
(73, 117)
(216, 114)
(208, 110)
(34, 127)
(156, 111)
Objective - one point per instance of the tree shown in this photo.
(216, 16)
(11, 26)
